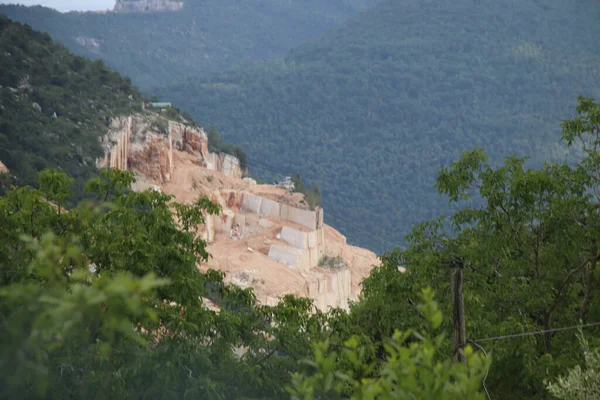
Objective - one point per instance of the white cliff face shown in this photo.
(3, 168)
(136, 143)
(147, 6)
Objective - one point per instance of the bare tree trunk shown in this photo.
(459, 328)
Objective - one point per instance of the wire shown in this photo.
(486, 372)
(536, 332)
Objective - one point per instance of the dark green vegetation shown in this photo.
(369, 112)
(105, 300)
(54, 105)
(157, 49)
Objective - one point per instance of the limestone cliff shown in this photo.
(3, 168)
(266, 237)
(125, 6)
(144, 143)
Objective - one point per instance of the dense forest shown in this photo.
(370, 111)
(105, 300)
(157, 49)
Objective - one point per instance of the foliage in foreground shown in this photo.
(527, 241)
(105, 300)
(580, 383)
(409, 371)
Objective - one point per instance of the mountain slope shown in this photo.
(54, 105)
(372, 110)
(155, 49)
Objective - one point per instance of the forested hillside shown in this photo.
(54, 105)
(370, 111)
(156, 49)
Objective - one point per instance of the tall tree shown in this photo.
(527, 241)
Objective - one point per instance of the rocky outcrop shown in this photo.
(90, 43)
(127, 6)
(225, 163)
(268, 239)
(3, 168)
(265, 237)
(144, 144)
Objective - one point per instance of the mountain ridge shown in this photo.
(204, 36)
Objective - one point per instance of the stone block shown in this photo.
(305, 218)
(209, 227)
(319, 216)
(290, 256)
(286, 255)
(211, 162)
(314, 257)
(231, 165)
(294, 237)
(269, 208)
(225, 221)
(251, 203)
(312, 238)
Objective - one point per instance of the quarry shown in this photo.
(266, 237)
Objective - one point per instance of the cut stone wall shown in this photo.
(305, 218)
(333, 289)
(295, 237)
(132, 144)
(269, 208)
(252, 203)
(225, 163)
(306, 242)
(290, 256)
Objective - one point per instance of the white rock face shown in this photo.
(135, 143)
(141, 6)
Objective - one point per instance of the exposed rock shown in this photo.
(264, 234)
(147, 6)
(36, 107)
(90, 43)
(3, 168)
(133, 143)
(288, 240)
